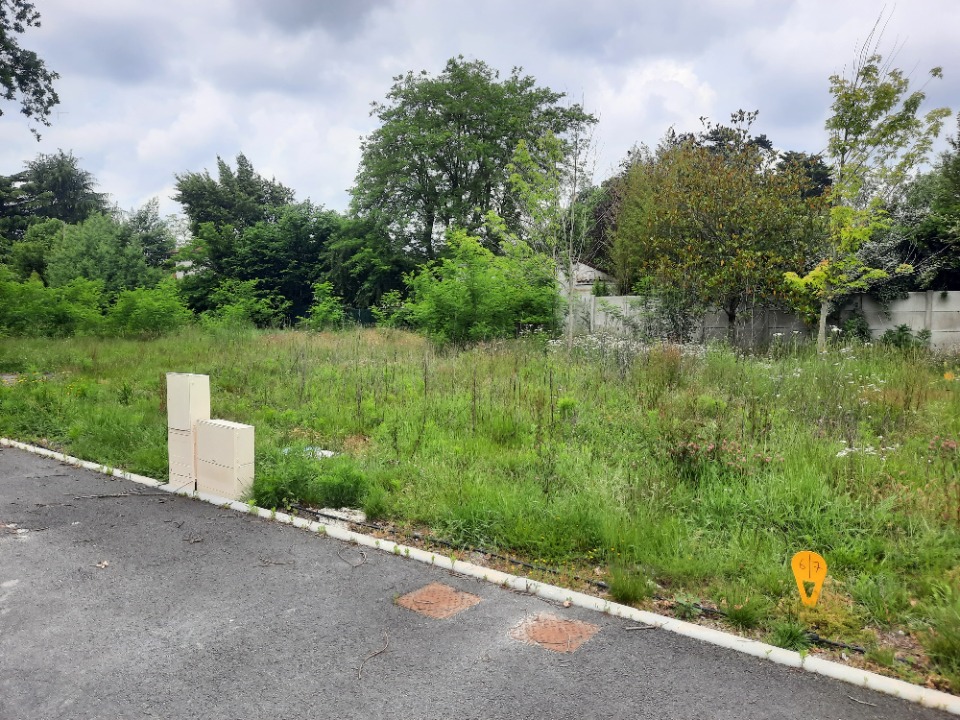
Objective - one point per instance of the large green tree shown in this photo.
(24, 78)
(98, 249)
(926, 222)
(156, 235)
(50, 186)
(240, 198)
(722, 225)
(877, 137)
(364, 262)
(439, 158)
(281, 255)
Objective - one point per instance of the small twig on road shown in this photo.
(386, 644)
(363, 556)
(642, 627)
(264, 562)
(861, 702)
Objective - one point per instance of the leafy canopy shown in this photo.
(720, 220)
(473, 294)
(439, 158)
(240, 197)
(24, 77)
(877, 137)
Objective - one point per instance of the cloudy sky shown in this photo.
(150, 89)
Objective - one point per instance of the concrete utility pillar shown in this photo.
(224, 458)
(188, 402)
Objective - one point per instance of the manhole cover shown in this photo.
(437, 601)
(554, 633)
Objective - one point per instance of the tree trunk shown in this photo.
(822, 331)
(731, 312)
(571, 284)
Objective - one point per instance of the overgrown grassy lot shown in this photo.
(684, 478)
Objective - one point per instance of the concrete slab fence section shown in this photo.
(933, 310)
(936, 311)
(213, 457)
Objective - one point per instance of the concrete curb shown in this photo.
(854, 676)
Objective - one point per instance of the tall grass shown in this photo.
(696, 470)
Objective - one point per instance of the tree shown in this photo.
(97, 249)
(154, 234)
(24, 77)
(55, 186)
(552, 182)
(473, 294)
(364, 263)
(722, 226)
(282, 254)
(440, 155)
(926, 222)
(877, 138)
(29, 256)
(238, 198)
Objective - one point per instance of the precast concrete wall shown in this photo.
(936, 311)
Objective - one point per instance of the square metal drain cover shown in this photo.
(554, 633)
(437, 601)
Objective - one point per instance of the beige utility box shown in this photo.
(188, 400)
(182, 456)
(225, 452)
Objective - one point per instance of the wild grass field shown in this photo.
(683, 478)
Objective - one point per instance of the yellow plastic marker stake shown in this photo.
(809, 568)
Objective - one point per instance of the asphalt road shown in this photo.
(151, 605)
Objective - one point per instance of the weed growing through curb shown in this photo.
(629, 586)
(685, 606)
(790, 635)
(743, 611)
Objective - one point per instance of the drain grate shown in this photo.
(554, 633)
(437, 601)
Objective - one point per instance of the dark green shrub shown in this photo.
(327, 309)
(475, 295)
(903, 338)
(149, 311)
(856, 327)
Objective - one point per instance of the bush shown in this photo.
(31, 309)
(475, 295)
(903, 338)
(238, 304)
(327, 309)
(295, 475)
(856, 327)
(149, 311)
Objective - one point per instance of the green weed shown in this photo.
(789, 634)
